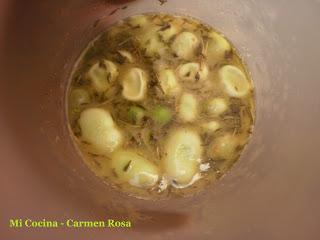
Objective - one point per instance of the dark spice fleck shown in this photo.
(228, 55)
(165, 27)
(93, 154)
(85, 142)
(174, 182)
(127, 166)
(187, 74)
(197, 77)
(80, 81)
(102, 65)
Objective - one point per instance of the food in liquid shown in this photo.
(160, 105)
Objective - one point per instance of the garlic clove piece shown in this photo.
(134, 83)
(154, 47)
(134, 169)
(102, 74)
(217, 47)
(217, 106)
(168, 31)
(169, 82)
(224, 147)
(193, 71)
(127, 55)
(234, 81)
(188, 108)
(98, 129)
(185, 45)
(183, 153)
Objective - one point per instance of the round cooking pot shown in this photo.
(272, 192)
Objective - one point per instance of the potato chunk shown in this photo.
(217, 47)
(134, 169)
(234, 81)
(224, 147)
(182, 155)
(193, 72)
(98, 129)
(134, 84)
(169, 83)
(153, 46)
(127, 55)
(217, 106)
(169, 31)
(185, 45)
(102, 74)
(188, 108)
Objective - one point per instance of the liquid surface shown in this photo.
(160, 106)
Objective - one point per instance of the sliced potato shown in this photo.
(188, 108)
(193, 72)
(79, 97)
(185, 45)
(182, 155)
(102, 74)
(217, 106)
(134, 169)
(169, 83)
(98, 129)
(134, 83)
(224, 147)
(234, 81)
